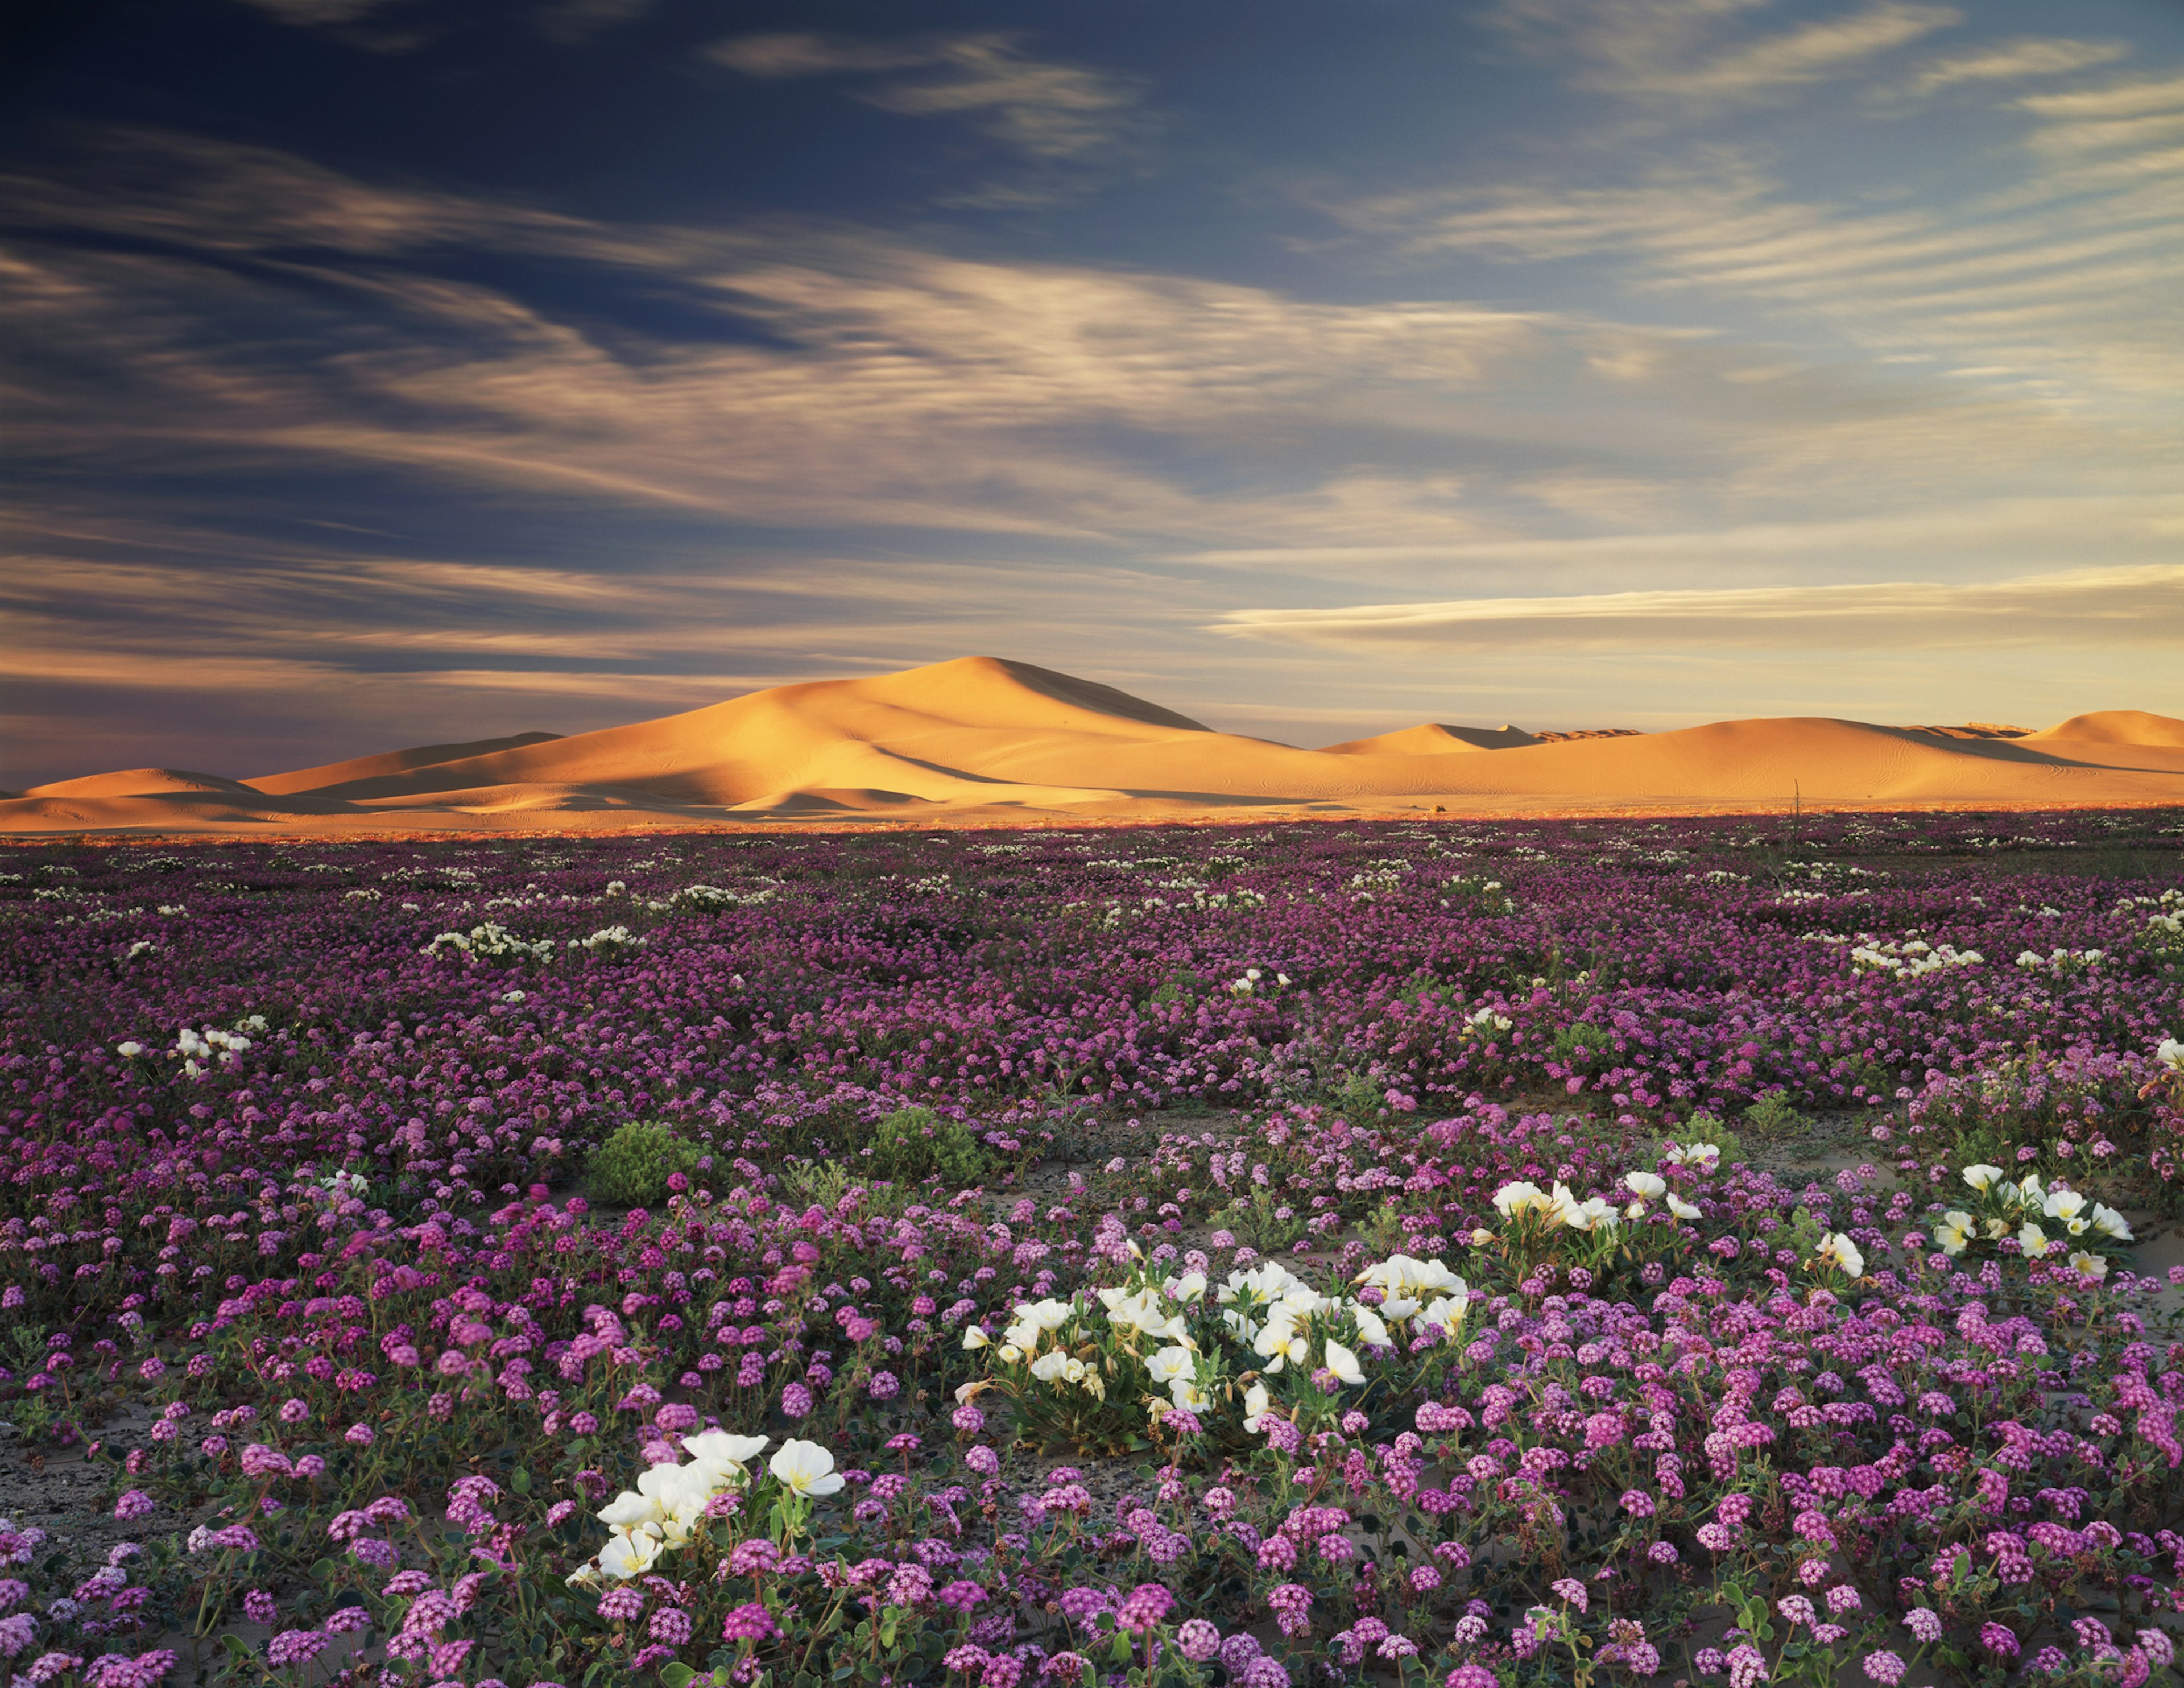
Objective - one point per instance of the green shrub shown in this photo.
(1181, 985)
(912, 1144)
(1705, 1127)
(1596, 1041)
(1361, 1100)
(631, 1167)
(1774, 1117)
(809, 1183)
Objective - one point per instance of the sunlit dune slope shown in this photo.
(390, 762)
(981, 737)
(1434, 738)
(2114, 727)
(141, 783)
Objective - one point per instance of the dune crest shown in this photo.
(142, 782)
(389, 762)
(2117, 727)
(1434, 738)
(984, 738)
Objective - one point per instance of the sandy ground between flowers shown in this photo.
(984, 741)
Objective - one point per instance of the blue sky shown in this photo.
(390, 371)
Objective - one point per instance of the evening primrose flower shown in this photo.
(628, 1555)
(2032, 1240)
(1982, 1177)
(1955, 1231)
(2171, 1054)
(724, 1456)
(1343, 1363)
(2110, 1224)
(974, 1337)
(2091, 1265)
(1171, 1363)
(680, 1492)
(805, 1468)
(1646, 1186)
(1370, 1327)
(1258, 1406)
(1268, 1281)
(1050, 1365)
(1702, 1156)
(2071, 1208)
(1036, 1319)
(1592, 1214)
(1400, 1273)
(1839, 1252)
(1683, 1209)
(1520, 1197)
(1142, 1312)
(1280, 1342)
(667, 1500)
(628, 1511)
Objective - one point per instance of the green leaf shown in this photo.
(520, 1482)
(842, 1673)
(674, 1674)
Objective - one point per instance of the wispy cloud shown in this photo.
(571, 23)
(2013, 61)
(318, 13)
(2114, 99)
(2132, 606)
(2062, 275)
(1690, 52)
(1050, 113)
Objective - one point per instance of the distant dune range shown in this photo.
(984, 739)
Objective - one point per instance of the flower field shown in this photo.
(1546, 1253)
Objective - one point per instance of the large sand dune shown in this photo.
(984, 739)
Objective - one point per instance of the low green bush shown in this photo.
(631, 1167)
(913, 1143)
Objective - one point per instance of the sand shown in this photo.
(982, 739)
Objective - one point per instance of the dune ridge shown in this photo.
(985, 738)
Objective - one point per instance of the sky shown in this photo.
(382, 372)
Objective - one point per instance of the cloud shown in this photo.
(569, 23)
(320, 14)
(1046, 111)
(2063, 274)
(2117, 99)
(2142, 605)
(1672, 51)
(2012, 61)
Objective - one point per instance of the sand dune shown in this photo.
(1434, 738)
(142, 782)
(392, 762)
(2114, 727)
(984, 738)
